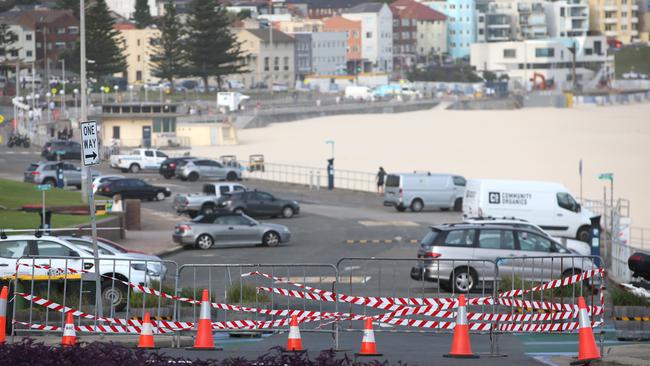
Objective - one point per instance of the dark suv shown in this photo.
(69, 149)
(257, 203)
(168, 167)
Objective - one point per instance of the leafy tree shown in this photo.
(104, 45)
(489, 76)
(212, 49)
(142, 15)
(169, 59)
(7, 38)
(244, 14)
(70, 5)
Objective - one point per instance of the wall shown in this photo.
(328, 51)
(432, 37)
(198, 134)
(130, 129)
(138, 53)
(353, 29)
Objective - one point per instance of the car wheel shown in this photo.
(193, 177)
(271, 239)
(160, 196)
(463, 280)
(204, 241)
(231, 177)
(134, 168)
(417, 205)
(114, 295)
(584, 234)
(458, 205)
(208, 209)
(287, 212)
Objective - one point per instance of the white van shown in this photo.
(546, 204)
(359, 93)
(424, 190)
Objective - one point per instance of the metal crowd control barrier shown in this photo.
(259, 297)
(540, 293)
(45, 288)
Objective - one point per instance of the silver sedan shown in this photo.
(233, 229)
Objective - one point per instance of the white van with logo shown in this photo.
(418, 191)
(546, 204)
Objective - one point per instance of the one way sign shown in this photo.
(89, 143)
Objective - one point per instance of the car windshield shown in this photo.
(392, 181)
(204, 219)
(113, 245)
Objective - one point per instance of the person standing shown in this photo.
(381, 175)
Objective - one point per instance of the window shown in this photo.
(561, 12)
(52, 249)
(14, 53)
(138, 58)
(509, 53)
(544, 52)
(60, 30)
(238, 189)
(567, 202)
(276, 63)
(28, 53)
(266, 64)
(286, 63)
(589, 51)
(368, 34)
(533, 243)
(224, 189)
(232, 220)
(58, 45)
(148, 153)
(460, 238)
(138, 42)
(116, 132)
(164, 125)
(460, 181)
(496, 239)
(14, 248)
(262, 196)
(161, 154)
(73, 30)
(138, 75)
(28, 37)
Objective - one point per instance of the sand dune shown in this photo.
(540, 144)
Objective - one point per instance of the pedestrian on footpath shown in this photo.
(381, 174)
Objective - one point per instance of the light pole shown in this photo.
(62, 94)
(160, 87)
(130, 93)
(116, 88)
(76, 107)
(103, 92)
(146, 94)
(48, 95)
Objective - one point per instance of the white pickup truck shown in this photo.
(139, 159)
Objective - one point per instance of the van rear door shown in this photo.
(392, 192)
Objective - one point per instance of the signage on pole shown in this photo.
(89, 143)
(43, 187)
(606, 176)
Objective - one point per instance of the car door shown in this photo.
(71, 174)
(219, 171)
(141, 189)
(263, 204)
(537, 269)
(205, 168)
(221, 231)
(58, 256)
(149, 160)
(124, 188)
(10, 251)
(160, 157)
(493, 244)
(241, 230)
(566, 215)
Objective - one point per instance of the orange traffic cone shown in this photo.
(69, 334)
(368, 345)
(461, 346)
(587, 349)
(294, 342)
(146, 334)
(3, 314)
(204, 338)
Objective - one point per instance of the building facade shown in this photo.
(352, 28)
(299, 26)
(126, 8)
(303, 57)
(376, 34)
(266, 62)
(496, 22)
(567, 18)
(318, 9)
(404, 38)
(531, 61)
(531, 20)
(430, 27)
(461, 24)
(24, 48)
(328, 50)
(617, 19)
(139, 47)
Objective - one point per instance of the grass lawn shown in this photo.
(629, 58)
(31, 220)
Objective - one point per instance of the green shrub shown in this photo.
(152, 301)
(243, 293)
(621, 297)
(508, 283)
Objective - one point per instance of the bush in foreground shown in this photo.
(31, 353)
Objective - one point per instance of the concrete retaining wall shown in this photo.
(624, 98)
(513, 102)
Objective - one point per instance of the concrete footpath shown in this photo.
(625, 355)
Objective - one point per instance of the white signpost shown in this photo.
(89, 143)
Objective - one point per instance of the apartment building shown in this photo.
(376, 34)
(24, 48)
(299, 25)
(427, 35)
(461, 24)
(139, 46)
(352, 29)
(319, 9)
(567, 18)
(496, 21)
(267, 62)
(126, 8)
(531, 20)
(616, 19)
(404, 38)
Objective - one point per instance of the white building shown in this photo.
(531, 61)
(126, 8)
(328, 50)
(567, 18)
(377, 33)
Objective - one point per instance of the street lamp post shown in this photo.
(116, 88)
(160, 87)
(130, 93)
(62, 94)
(48, 95)
(330, 166)
(76, 107)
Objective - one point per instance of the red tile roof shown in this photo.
(410, 9)
(124, 26)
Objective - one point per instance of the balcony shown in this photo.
(611, 8)
(611, 21)
(611, 33)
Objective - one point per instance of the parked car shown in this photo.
(193, 170)
(138, 159)
(576, 246)
(204, 203)
(486, 243)
(102, 179)
(59, 253)
(547, 204)
(45, 173)
(639, 264)
(418, 191)
(69, 150)
(233, 229)
(133, 188)
(257, 203)
(168, 167)
(156, 267)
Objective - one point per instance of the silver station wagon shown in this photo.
(461, 257)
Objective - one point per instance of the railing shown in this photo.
(640, 237)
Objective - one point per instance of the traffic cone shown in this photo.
(204, 338)
(587, 349)
(146, 334)
(461, 346)
(69, 334)
(368, 345)
(294, 342)
(3, 314)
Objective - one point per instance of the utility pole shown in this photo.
(87, 193)
(573, 67)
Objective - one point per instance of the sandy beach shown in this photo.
(535, 144)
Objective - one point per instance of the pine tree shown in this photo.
(103, 43)
(142, 15)
(70, 5)
(7, 38)
(212, 49)
(168, 61)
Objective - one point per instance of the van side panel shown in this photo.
(471, 201)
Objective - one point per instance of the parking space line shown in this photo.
(381, 241)
(387, 223)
